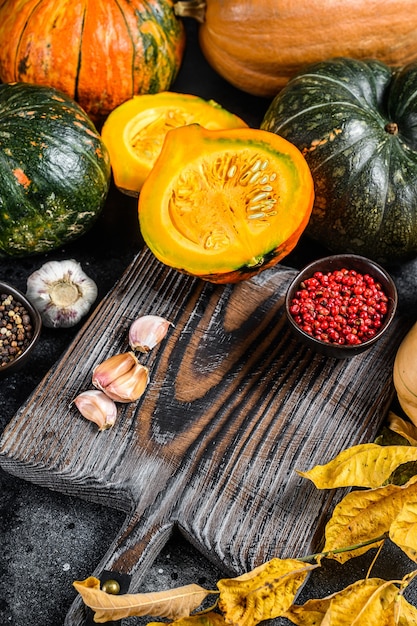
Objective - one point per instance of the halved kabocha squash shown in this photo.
(225, 204)
(135, 131)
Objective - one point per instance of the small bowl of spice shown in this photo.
(20, 327)
(341, 305)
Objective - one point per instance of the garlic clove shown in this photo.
(97, 407)
(130, 386)
(121, 377)
(147, 331)
(62, 293)
(113, 367)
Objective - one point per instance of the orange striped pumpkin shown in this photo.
(99, 52)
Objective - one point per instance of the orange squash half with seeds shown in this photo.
(135, 131)
(225, 204)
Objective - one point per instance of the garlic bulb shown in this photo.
(61, 292)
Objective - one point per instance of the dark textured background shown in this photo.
(48, 539)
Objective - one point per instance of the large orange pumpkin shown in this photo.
(257, 45)
(99, 52)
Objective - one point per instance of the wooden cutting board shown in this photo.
(235, 405)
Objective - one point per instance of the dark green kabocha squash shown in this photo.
(356, 124)
(54, 170)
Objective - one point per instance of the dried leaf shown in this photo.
(403, 473)
(264, 593)
(403, 428)
(364, 465)
(372, 601)
(387, 437)
(200, 619)
(309, 614)
(406, 613)
(403, 530)
(173, 604)
(363, 515)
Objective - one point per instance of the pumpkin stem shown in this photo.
(391, 128)
(191, 8)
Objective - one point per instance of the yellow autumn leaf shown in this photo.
(363, 515)
(173, 604)
(200, 619)
(364, 465)
(309, 614)
(403, 530)
(372, 601)
(406, 613)
(403, 428)
(264, 593)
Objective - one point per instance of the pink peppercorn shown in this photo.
(343, 306)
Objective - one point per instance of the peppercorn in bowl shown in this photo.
(341, 305)
(20, 327)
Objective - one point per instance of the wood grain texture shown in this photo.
(235, 405)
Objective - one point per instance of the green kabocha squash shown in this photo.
(54, 170)
(356, 124)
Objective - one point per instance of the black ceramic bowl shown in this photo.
(36, 325)
(330, 264)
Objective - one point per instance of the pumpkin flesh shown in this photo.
(257, 45)
(100, 53)
(224, 205)
(354, 123)
(135, 131)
